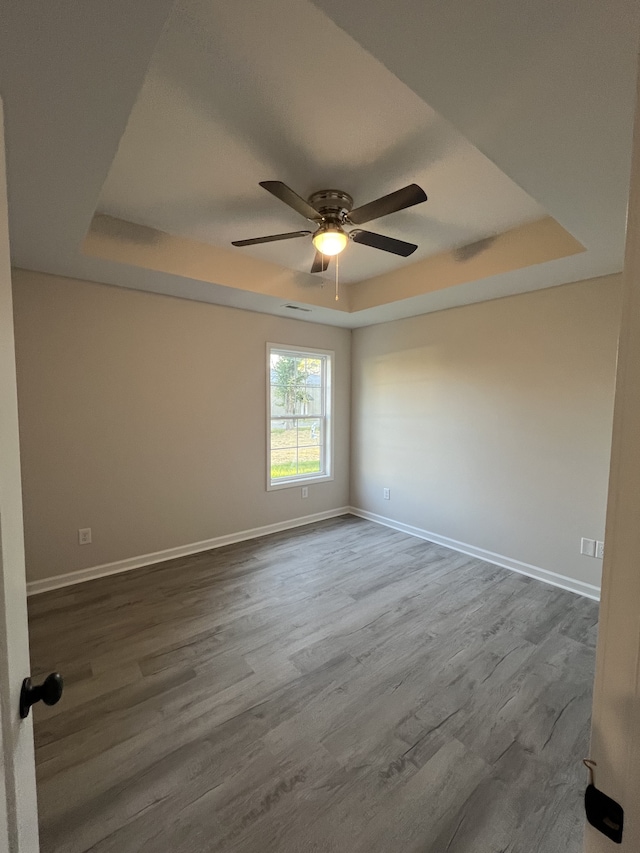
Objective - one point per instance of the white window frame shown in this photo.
(328, 357)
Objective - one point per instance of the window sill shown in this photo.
(300, 481)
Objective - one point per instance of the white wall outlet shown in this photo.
(588, 547)
(305, 491)
(84, 536)
(386, 494)
(599, 549)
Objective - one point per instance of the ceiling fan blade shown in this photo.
(387, 244)
(399, 200)
(271, 239)
(320, 262)
(287, 195)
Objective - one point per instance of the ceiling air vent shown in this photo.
(296, 308)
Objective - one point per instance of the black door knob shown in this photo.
(49, 692)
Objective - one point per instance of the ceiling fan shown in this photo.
(331, 210)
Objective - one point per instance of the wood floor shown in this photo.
(339, 688)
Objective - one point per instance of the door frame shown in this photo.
(18, 804)
(615, 733)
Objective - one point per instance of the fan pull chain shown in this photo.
(337, 271)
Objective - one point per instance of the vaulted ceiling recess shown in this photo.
(156, 127)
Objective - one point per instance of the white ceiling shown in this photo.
(232, 98)
(218, 96)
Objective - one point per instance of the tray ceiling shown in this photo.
(165, 116)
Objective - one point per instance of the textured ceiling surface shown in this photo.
(168, 115)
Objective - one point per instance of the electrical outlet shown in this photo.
(305, 491)
(588, 547)
(386, 494)
(599, 549)
(84, 536)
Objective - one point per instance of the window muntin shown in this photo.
(299, 404)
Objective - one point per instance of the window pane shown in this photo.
(309, 432)
(314, 401)
(296, 385)
(284, 463)
(279, 402)
(284, 399)
(313, 367)
(298, 399)
(283, 434)
(309, 460)
(285, 376)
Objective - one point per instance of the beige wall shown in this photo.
(491, 423)
(143, 417)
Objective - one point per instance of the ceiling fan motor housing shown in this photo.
(333, 205)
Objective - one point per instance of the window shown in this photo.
(299, 416)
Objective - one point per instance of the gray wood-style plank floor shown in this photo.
(340, 687)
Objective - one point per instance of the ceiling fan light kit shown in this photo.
(330, 239)
(331, 210)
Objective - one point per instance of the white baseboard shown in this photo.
(579, 587)
(70, 578)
